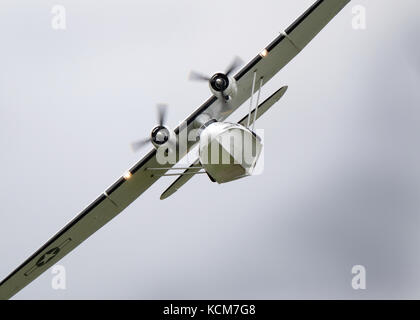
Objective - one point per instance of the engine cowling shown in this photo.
(162, 136)
(223, 86)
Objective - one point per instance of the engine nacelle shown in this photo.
(162, 136)
(223, 86)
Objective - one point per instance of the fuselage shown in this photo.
(228, 151)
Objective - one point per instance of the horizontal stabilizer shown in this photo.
(263, 107)
(182, 179)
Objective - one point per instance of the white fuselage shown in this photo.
(228, 151)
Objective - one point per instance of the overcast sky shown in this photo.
(341, 176)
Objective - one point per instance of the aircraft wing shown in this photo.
(287, 45)
(274, 57)
(123, 192)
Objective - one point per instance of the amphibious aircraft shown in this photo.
(229, 92)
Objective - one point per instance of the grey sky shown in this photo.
(341, 178)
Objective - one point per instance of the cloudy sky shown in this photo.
(341, 178)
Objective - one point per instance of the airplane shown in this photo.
(208, 123)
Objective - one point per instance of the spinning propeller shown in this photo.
(160, 133)
(219, 82)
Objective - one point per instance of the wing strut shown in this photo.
(251, 99)
(178, 183)
(258, 101)
(191, 170)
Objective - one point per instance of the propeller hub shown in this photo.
(219, 82)
(160, 135)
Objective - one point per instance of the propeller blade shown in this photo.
(235, 64)
(162, 108)
(139, 144)
(196, 76)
